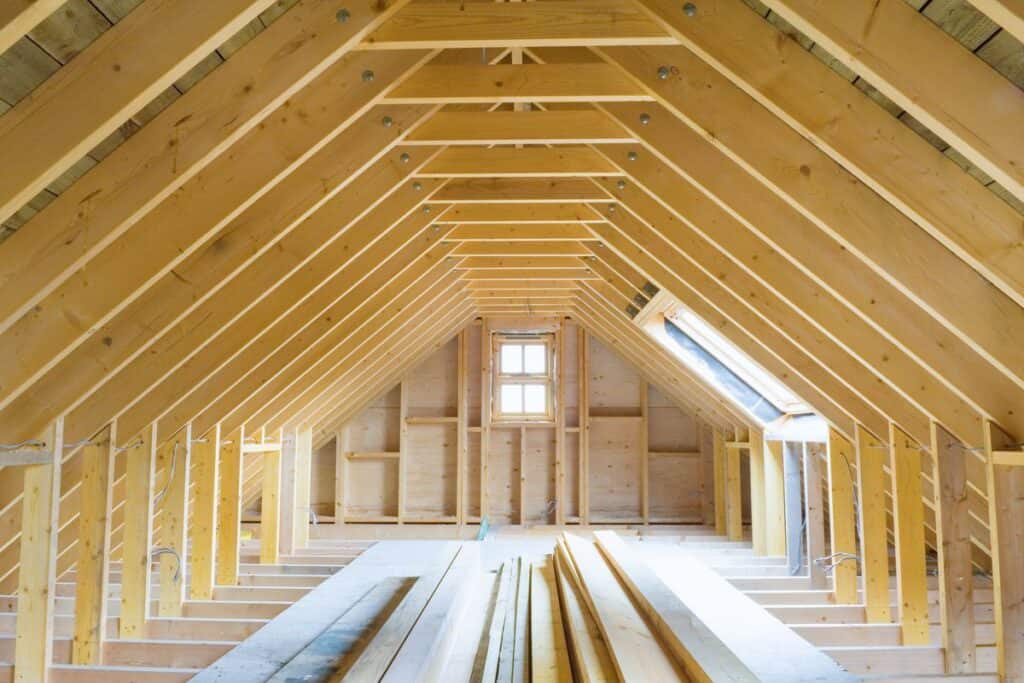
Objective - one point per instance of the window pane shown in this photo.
(511, 398)
(534, 359)
(535, 398)
(511, 359)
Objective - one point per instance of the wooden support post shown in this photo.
(341, 447)
(1006, 512)
(462, 430)
(229, 508)
(303, 481)
(774, 500)
(874, 539)
(583, 378)
(842, 518)
(758, 528)
(953, 543)
(791, 455)
(270, 509)
(718, 444)
(93, 557)
(403, 446)
(560, 423)
(486, 354)
(522, 475)
(174, 458)
(137, 539)
(287, 502)
(814, 516)
(645, 483)
(40, 522)
(733, 494)
(707, 473)
(205, 456)
(908, 523)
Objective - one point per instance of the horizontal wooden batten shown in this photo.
(261, 447)
(508, 127)
(531, 190)
(517, 83)
(522, 285)
(523, 275)
(504, 262)
(557, 23)
(539, 248)
(516, 213)
(512, 162)
(535, 232)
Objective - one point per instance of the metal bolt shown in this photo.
(435, 227)
(611, 208)
(621, 184)
(426, 209)
(645, 118)
(342, 15)
(417, 186)
(386, 121)
(663, 72)
(632, 156)
(690, 9)
(367, 76)
(404, 158)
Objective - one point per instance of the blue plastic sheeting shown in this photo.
(728, 381)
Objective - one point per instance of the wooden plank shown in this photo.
(733, 494)
(137, 535)
(517, 213)
(591, 658)
(583, 379)
(814, 517)
(560, 23)
(202, 552)
(520, 248)
(758, 493)
(560, 494)
(1006, 509)
(43, 141)
(874, 546)
(229, 508)
(550, 233)
(505, 83)
(895, 56)
(842, 518)
(521, 661)
(645, 455)
(403, 446)
(92, 568)
(495, 630)
(511, 162)
(18, 17)
(341, 449)
(908, 520)
(635, 650)
(704, 656)
(531, 190)
(174, 458)
(719, 467)
(550, 127)
(486, 358)
(270, 508)
(462, 427)
(525, 274)
(1007, 13)
(40, 521)
(953, 548)
(165, 154)
(507, 648)
(482, 263)
(303, 482)
(774, 499)
(791, 456)
(549, 655)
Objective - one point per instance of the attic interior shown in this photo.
(563, 340)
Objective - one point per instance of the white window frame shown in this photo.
(500, 379)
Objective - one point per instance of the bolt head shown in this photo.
(690, 9)
(387, 121)
(664, 72)
(367, 76)
(645, 119)
(426, 209)
(632, 156)
(611, 208)
(417, 186)
(621, 184)
(343, 15)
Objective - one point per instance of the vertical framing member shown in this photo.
(229, 507)
(137, 537)
(908, 520)
(173, 499)
(206, 456)
(842, 518)
(874, 540)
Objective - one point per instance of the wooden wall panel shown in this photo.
(472, 477)
(430, 470)
(371, 488)
(675, 488)
(473, 383)
(614, 477)
(540, 476)
(433, 385)
(503, 476)
(614, 384)
(321, 487)
(377, 428)
(571, 371)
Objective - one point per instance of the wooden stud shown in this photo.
(559, 356)
(486, 358)
(270, 509)
(719, 464)
(774, 500)
(462, 427)
(505, 127)
(842, 518)
(229, 507)
(645, 464)
(92, 568)
(908, 520)
(137, 535)
(814, 517)
(874, 545)
(40, 521)
(342, 446)
(202, 552)
(522, 476)
(403, 445)
(289, 484)
(303, 481)
(583, 379)
(953, 548)
(174, 458)
(19, 17)
(758, 493)
(791, 455)
(1006, 510)
(733, 494)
